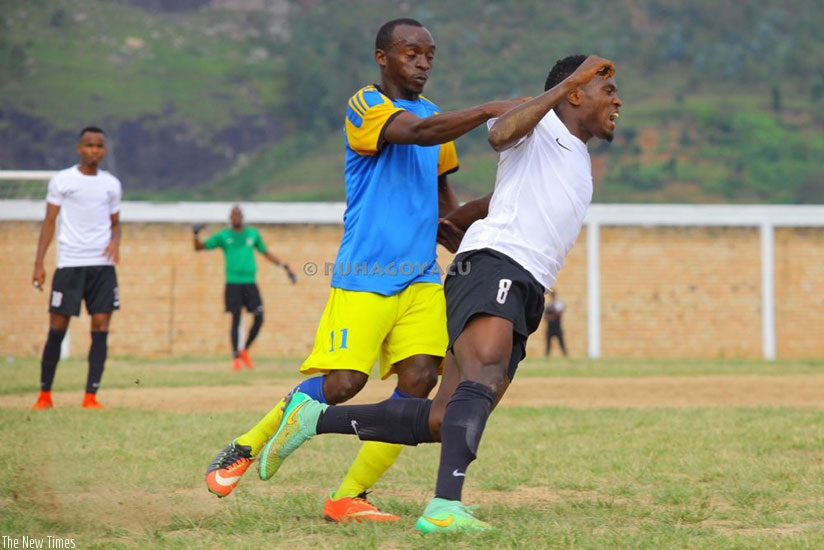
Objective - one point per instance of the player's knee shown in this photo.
(491, 375)
(418, 383)
(489, 370)
(417, 375)
(341, 386)
(100, 323)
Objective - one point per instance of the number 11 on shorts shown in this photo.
(344, 333)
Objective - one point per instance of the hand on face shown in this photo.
(599, 96)
(592, 66)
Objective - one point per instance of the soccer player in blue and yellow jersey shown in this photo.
(386, 304)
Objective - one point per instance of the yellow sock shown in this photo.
(373, 459)
(263, 430)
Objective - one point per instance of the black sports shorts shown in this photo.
(488, 282)
(240, 295)
(553, 328)
(97, 285)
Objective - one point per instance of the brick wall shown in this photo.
(799, 292)
(666, 292)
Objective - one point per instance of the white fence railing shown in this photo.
(764, 217)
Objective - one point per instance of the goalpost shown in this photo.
(24, 184)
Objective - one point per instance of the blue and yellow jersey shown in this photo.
(391, 218)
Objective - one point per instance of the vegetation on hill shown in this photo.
(241, 99)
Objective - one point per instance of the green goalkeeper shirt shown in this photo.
(239, 250)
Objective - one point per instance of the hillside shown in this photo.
(243, 99)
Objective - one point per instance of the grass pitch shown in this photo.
(547, 476)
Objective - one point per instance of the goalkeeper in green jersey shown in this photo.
(239, 243)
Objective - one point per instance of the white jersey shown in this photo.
(86, 206)
(542, 191)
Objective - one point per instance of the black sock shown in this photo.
(51, 355)
(463, 425)
(404, 421)
(233, 333)
(253, 332)
(97, 360)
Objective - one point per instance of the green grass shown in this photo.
(546, 477)
(21, 375)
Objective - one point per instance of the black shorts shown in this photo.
(487, 282)
(246, 295)
(554, 328)
(97, 285)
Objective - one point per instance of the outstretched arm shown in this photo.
(272, 258)
(518, 122)
(277, 261)
(410, 128)
(196, 229)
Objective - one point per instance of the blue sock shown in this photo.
(398, 394)
(313, 387)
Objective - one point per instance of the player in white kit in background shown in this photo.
(87, 199)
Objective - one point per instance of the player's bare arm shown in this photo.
(447, 201)
(272, 258)
(410, 128)
(449, 236)
(518, 122)
(277, 261)
(451, 228)
(38, 277)
(113, 249)
(470, 212)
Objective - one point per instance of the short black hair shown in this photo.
(92, 129)
(562, 69)
(384, 38)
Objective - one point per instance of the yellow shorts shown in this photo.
(359, 328)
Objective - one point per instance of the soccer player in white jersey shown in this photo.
(87, 199)
(495, 291)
